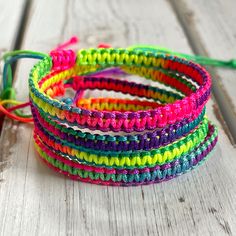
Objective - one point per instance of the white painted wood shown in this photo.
(9, 22)
(9, 19)
(10, 16)
(211, 29)
(215, 24)
(36, 201)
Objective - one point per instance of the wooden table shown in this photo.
(36, 201)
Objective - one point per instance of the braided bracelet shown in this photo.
(120, 141)
(167, 132)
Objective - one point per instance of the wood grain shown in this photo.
(9, 20)
(215, 23)
(9, 27)
(36, 201)
(210, 29)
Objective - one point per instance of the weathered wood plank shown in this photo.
(10, 17)
(215, 24)
(211, 31)
(9, 21)
(36, 201)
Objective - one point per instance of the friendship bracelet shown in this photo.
(171, 136)
(189, 106)
(158, 133)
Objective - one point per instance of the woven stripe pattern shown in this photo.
(159, 133)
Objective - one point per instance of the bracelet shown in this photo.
(189, 106)
(110, 141)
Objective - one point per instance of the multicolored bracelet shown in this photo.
(158, 133)
(167, 132)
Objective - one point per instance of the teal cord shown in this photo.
(8, 92)
(11, 57)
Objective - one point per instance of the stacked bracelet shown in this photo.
(121, 141)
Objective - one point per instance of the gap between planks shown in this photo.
(224, 109)
(20, 29)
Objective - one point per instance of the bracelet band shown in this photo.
(124, 121)
(110, 141)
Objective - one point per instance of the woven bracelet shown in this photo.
(158, 134)
(175, 135)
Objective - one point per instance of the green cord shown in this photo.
(199, 59)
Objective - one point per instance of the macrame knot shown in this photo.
(62, 59)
